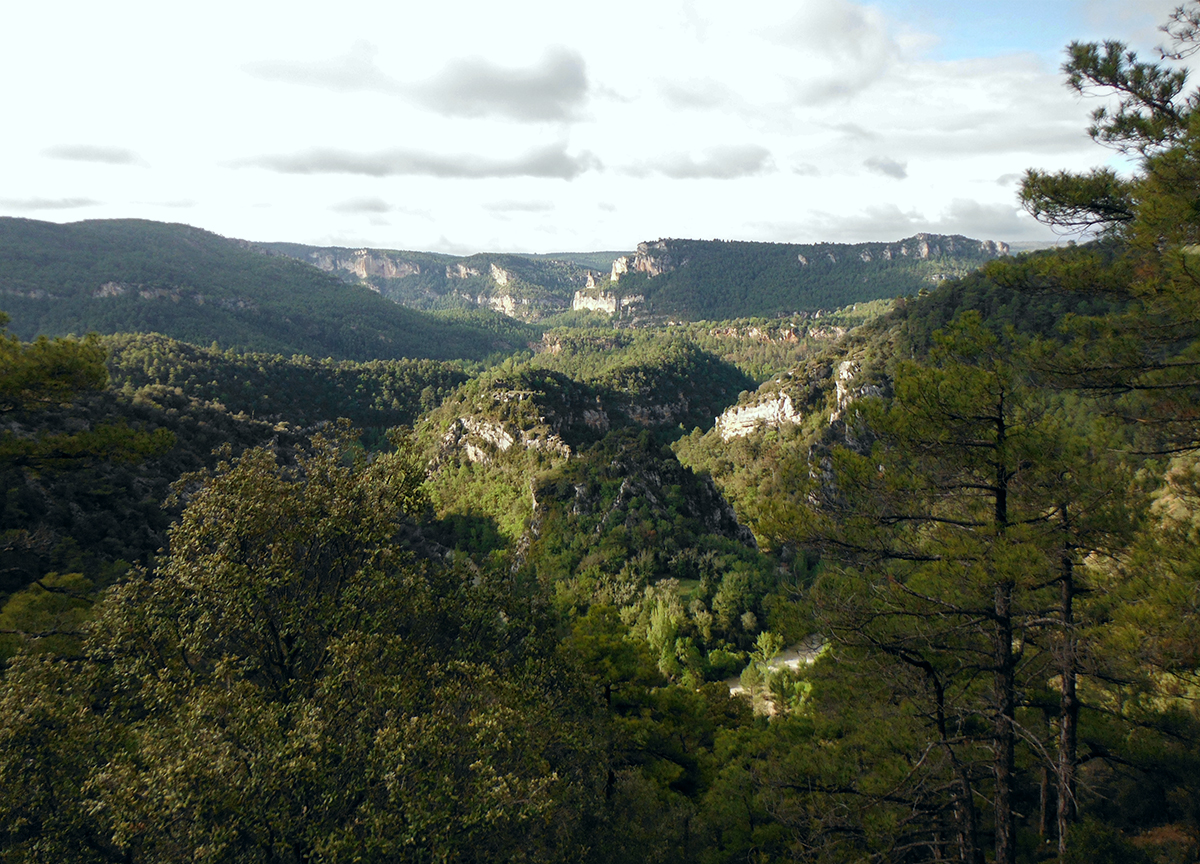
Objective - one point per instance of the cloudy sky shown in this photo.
(466, 126)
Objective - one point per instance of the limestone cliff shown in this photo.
(604, 301)
(479, 440)
(653, 259)
(741, 420)
(366, 264)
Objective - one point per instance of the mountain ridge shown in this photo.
(133, 275)
(695, 277)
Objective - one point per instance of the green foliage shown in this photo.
(290, 686)
(47, 616)
(377, 394)
(1100, 199)
(113, 276)
(653, 378)
(47, 372)
(984, 522)
(537, 284)
(730, 279)
(701, 279)
(623, 526)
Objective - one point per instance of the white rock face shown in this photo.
(744, 419)
(597, 419)
(604, 301)
(652, 259)
(479, 438)
(500, 275)
(110, 289)
(846, 392)
(460, 271)
(505, 304)
(364, 264)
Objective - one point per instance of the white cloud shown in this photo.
(717, 163)
(353, 71)
(887, 167)
(845, 47)
(31, 204)
(362, 205)
(553, 88)
(519, 206)
(458, 114)
(963, 216)
(93, 153)
(550, 162)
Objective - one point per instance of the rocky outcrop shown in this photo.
(767, 335)
(657, 414)
(845, 390)
(505, 304)
(596, 419)
(364, 263)
(500, 275)
(110, 289)
(741, 420)
(460, 271)
(925, 246)
(604, 301)
(481, 440)
(653, 259)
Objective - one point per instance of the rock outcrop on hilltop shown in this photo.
(366, 264)
(666, 255)
(664, 279)
(653, 259)
(772, 413)
(792, 398)
(608, 302)
(848, 388)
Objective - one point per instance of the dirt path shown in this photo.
(802, 653)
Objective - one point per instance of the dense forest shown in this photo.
(682, 280)
(727, 279)
(131, 275)
(916, 581)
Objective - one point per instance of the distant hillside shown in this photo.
(715, 279)
(520, 286)
(133, 275)
(666, 279)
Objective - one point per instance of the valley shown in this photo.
(710, 551)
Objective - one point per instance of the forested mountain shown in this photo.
(695, 279)
(522, 286)
(667, 279)
(131, 275)
(926, 593)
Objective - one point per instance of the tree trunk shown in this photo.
(1046, 815)
(1004, 755)
(969, 850)
(1069, 710)
(966, 822)
(1004, 676)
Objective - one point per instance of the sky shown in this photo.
(468, 126)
